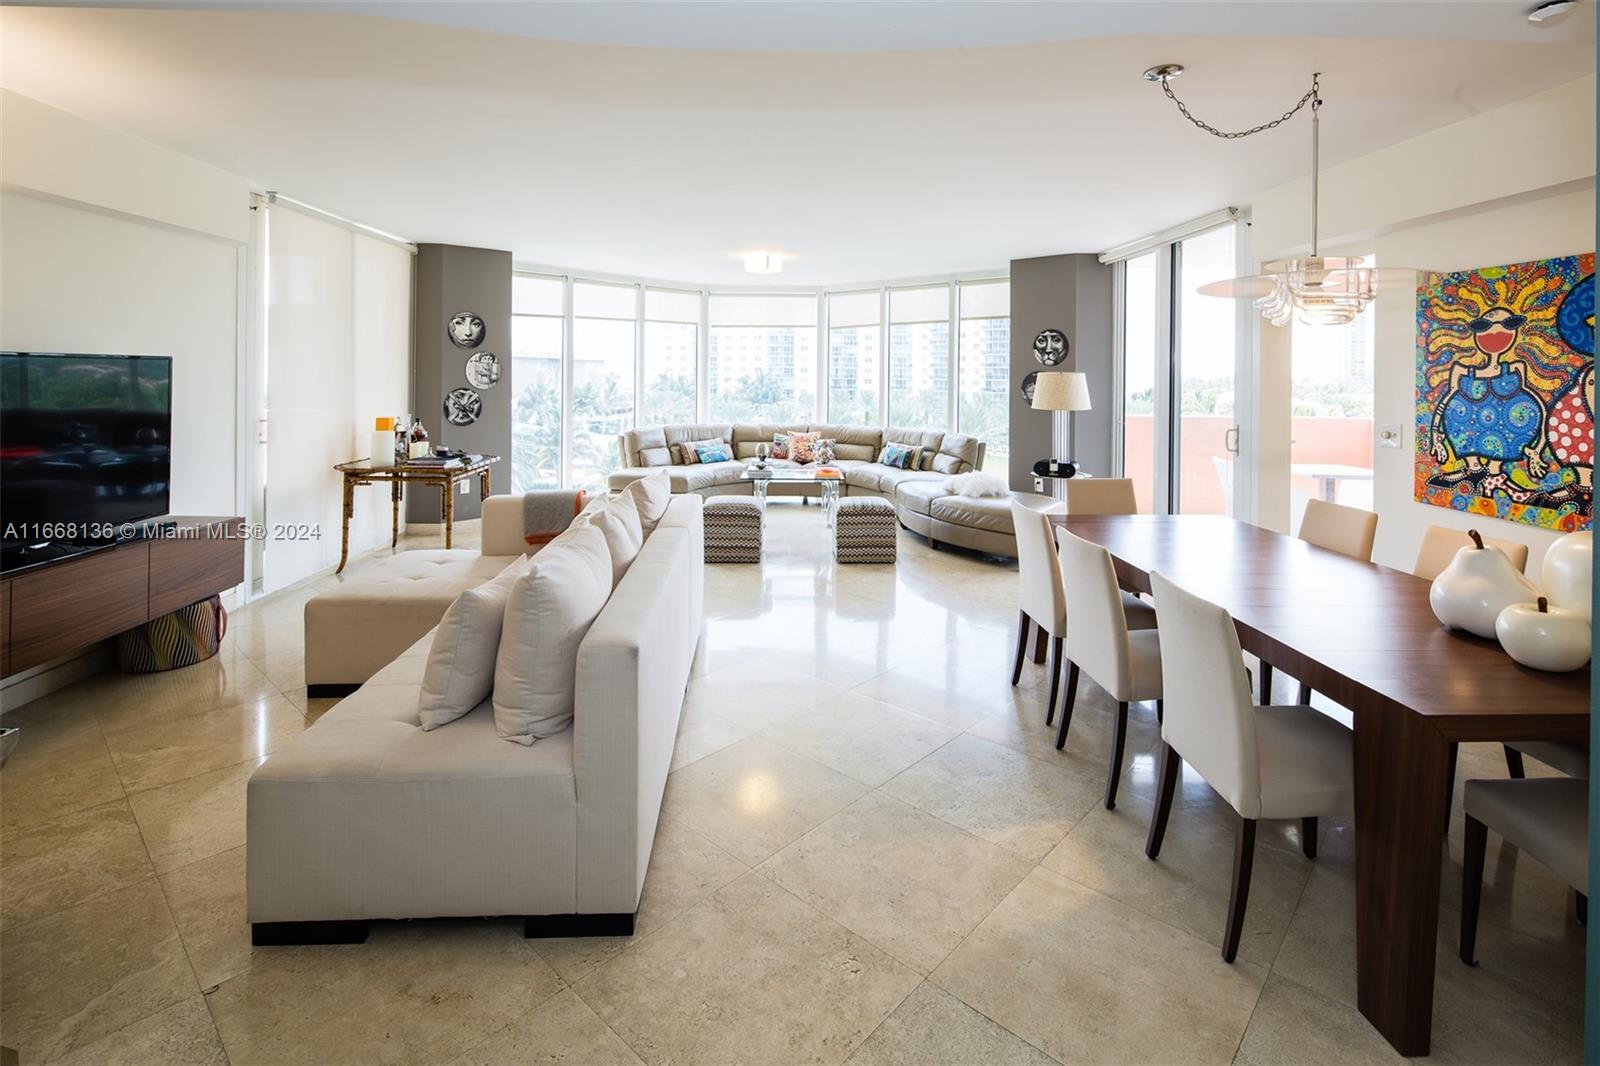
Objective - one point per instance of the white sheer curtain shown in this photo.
(338, 354)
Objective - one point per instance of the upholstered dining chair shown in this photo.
(1042, 595)
(1266, 762)
(1126, 663)
(1346, 530)
(1440, 544)
(1101, 495)
(1546, 817)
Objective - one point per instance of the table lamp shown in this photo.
(1061, 390)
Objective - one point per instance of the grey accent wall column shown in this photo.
(451, 279)
(1071, 293)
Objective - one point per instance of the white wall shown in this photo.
(1423, 203)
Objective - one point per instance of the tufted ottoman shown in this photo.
(865, 530)
(733, 529)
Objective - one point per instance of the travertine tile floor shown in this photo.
(870, 851)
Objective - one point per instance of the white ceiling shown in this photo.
(664, 140)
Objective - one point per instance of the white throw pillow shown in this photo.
(551, 607)
(976, 483)
(650, 496)
(619, 522)
(460, 671)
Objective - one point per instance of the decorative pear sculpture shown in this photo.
(1567, 568)
(1543, 637)
(1479, 583)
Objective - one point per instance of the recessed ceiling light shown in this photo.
(763, 263)
(1551, 9)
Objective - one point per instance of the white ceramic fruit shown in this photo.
(1566, 573)
(1479, 583)
(1543, 637)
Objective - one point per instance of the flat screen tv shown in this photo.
(85, 447)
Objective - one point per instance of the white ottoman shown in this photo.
(865, 530)
(733, 529)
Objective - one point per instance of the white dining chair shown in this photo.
(1266, 762)
(1440, 544)
(1546, 817)
(1101, 495)
(1346, 530)
(1042, 593)
(1125, 662)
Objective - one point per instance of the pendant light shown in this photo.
(1317, 290)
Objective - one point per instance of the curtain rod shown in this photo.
(274, 197)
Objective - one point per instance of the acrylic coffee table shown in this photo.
(827, 478)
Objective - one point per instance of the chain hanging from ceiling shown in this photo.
(1313, 97)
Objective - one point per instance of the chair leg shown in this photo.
(1514, 765)
(1266, 683)
(1474, 845)
(1055, 678)
(1308, 837)
(1039, 640)
(1583, 909)
(1161, 717)
(1450, 784)
(1244, 857)
(1067, 705)
(1023, 624)
(1305, 694)
(1171, 763)
(1115, 773)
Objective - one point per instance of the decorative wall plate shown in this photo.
(462, 407)
(1050, 347)
(1028, 383)
(466, 329)
(483, 370)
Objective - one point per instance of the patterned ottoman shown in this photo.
(733, 530)
(865, 530)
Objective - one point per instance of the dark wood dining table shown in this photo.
(1364, 636)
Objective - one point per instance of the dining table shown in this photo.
(1364, 636)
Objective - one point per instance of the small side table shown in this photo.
(362, 472)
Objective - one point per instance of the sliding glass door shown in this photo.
(1183, 363)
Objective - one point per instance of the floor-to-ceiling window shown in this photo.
(1179, 358)
(671, 356)
(919, 356)
(762, 358)
(604, 331)
(855, 344)
(538, 327)
(984, 353)
(1330, 429)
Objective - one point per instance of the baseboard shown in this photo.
(541, 926)
(535, 927)
(285, 934)
(25, 686)
(322, 692)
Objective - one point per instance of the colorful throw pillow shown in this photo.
(900, 456)
(780, 446)
(803, 446)
(711, 451)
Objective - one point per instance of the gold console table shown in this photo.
(362, 472)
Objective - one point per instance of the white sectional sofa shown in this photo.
(922, 502)
(366, 816)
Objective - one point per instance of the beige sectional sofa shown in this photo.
(922, 502)
(367, 816)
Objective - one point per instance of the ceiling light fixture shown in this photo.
(1550, 9)
(763, 263)
(1318, 290)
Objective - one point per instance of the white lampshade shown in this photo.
(1061, 390)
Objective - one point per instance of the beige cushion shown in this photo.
(957, 454)
(636, 442)
(978, 512)
(459, 670)
(1547, 817)
(618, 521)
(550, 610)
(918, 495)
(656, 456)
(354, 630)
(650, 498)
(853, 442)
(1570, 757)
(1307, 763)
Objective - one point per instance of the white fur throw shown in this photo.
(976, 483)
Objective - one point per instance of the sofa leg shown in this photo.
(287, 934)
(933, 544)
(540, 926)
(321, 692)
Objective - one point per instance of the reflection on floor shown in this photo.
(870, 851)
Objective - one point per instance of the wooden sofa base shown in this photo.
(534, 927)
